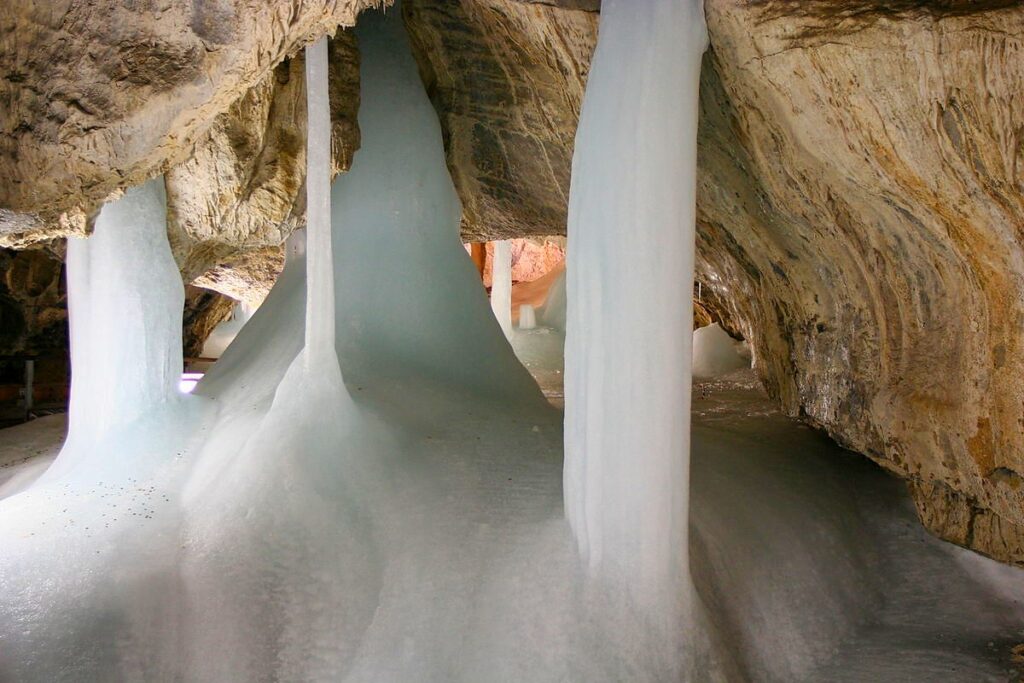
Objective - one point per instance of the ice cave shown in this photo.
(512, 340)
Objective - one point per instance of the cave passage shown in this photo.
(369, 484)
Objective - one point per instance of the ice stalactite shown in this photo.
(501, 285)
(527, 317)
(628, 340)
(554, 312)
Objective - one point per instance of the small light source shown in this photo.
(188, 381)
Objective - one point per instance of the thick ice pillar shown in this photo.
(629, 283)
(125, 303)
(501, 285)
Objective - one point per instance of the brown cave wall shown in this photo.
(860, 207)
(507, 81)
(98, 95)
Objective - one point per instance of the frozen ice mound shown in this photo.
(715, 353)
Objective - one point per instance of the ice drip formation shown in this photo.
(369, 486)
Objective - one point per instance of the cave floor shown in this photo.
(808, 559)
(926, 610)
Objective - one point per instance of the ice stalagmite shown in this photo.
(501, 285)
(409, 299)
(628, 340)
(527, 317)
(283, 546)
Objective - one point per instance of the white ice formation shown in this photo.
(715, 353)
(527, 317)
(501, 285)
(628, 337)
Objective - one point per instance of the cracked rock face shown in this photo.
(860, 208)
(98, 95)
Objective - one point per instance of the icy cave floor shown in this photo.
(808, 559)
(928, 610)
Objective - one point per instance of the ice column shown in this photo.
(320, 259)
(501, 285)
(629, 277)
(125, 302)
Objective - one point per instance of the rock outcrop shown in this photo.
(33, 302)
(101, 94)
(861, 210)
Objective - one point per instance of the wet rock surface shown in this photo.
(507, 81)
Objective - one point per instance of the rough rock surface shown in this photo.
(101, 94)
(204, 310)
(33, 302)
(507, 81)
(861, 208)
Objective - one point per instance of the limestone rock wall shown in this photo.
(100, 94)
(861, 208)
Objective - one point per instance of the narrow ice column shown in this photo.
(320, 258)
(501, 285)
(629, 282)
(125, 300)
